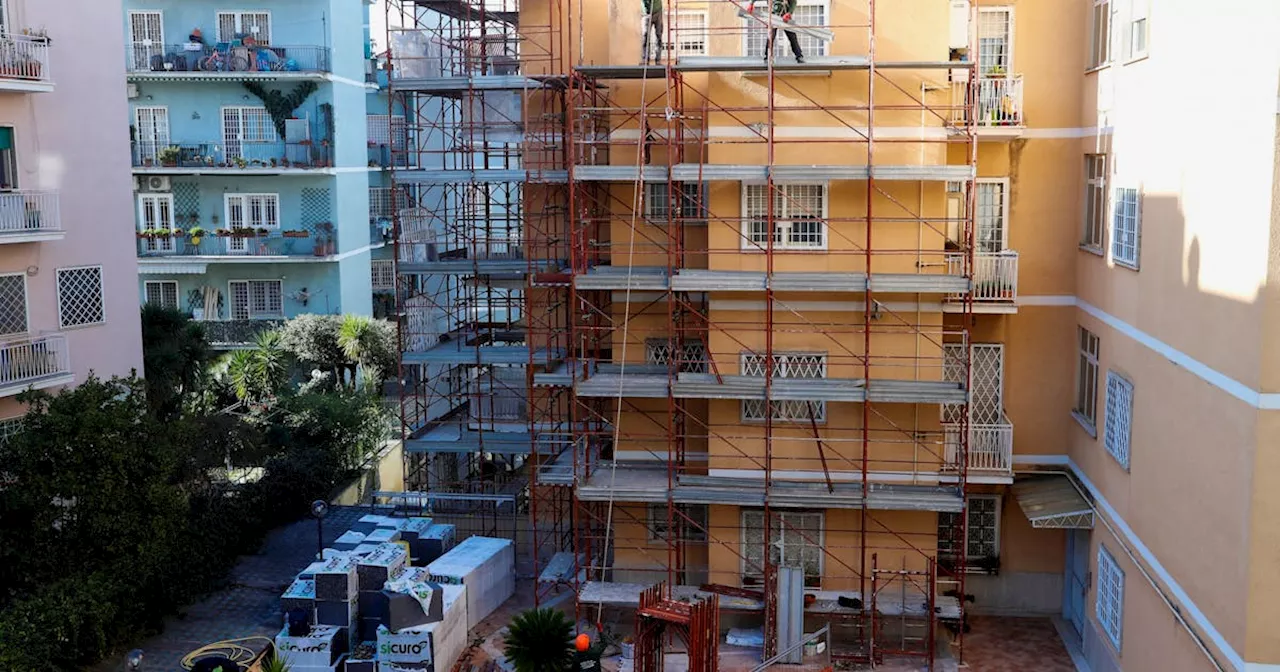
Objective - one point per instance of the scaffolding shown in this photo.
(635, 302)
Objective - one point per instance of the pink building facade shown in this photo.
(68, 269)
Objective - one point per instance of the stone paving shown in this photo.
(250, 604)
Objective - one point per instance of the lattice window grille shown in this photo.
(1119, 421)
(80, 296)
(162, 293)
(316, 206)
(795, 540)
(1109, 603)
(691, 33)
(255, 299)
(658, 351)
(389, 130)
(13, 304)
(983, 539)
(186, 201)
(384, 274)
(786, 365)
(9, 428)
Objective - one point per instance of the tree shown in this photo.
(371, 344)
(261, 372)
(175, 354)
(341, 345)
(540, 640)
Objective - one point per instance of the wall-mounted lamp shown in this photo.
(33, 270)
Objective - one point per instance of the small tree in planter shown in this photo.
(169, 155)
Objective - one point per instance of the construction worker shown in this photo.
(782, 8)
(652, 21)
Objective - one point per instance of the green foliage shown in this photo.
(260, 373)
(175, 354)
(339, 345)
(275, 664)
(371, 344)
(540, 640)
(281, 105)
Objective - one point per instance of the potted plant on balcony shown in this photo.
(177, 233)
(146, 233)
(222, 233)
(241, 162)
(263, 231)
(38, 34)
(296, 233)
(168, 156)
(195, 234)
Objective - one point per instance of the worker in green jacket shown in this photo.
(782, 8)
(652, 21)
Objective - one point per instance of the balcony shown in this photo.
(995, 281)
(29, 216)
(193, 61)
(237, 157)
(246, 246)
(24, 64)
(35, 362)
(236, 334)
(499, 401)
(990, 448)
(998, 107)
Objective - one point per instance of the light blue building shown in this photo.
(248, 126)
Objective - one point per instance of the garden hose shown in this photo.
(230, 648)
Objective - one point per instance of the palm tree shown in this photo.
(368, 344)
(259, 372)
(540, 640)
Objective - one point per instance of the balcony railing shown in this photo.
(500, 397)
(995, 276)
(195, 58)
(999, 101)
(233, 155)
(272, 244)
(25, 59)
(236, 333)
(990, 447)
(383, 201)
(23, 213)
(30, 360)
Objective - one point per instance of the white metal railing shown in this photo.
(995, 275)
(999, 101)
(30, 359)
(29, 212)
(990, 446)
(24, 57)
(383, 274)
(381, 203)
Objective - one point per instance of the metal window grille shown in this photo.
(383, 201)
(1118, 427)
(983, 540)
(812, 14)
(1126, 230)
(253, 211)
(388, 130)
(990, 216)
(251, 24)
(146, 37)
(162, 293)
(1087, 376)
(80, 296)
(657, 202)
(253, 299)
(242, 126)
(1095, 200)
(9, 428)
(786, 365)
(995, 27)
(1109, 603)
(13, 304)
(798, 211)
(384, 273)
(691, 33)
(795, 540)
(986, 383)
(1100, 42)
(659, 351)
(693, 531)
(157, 213)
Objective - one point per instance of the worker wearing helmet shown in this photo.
(784, 9)
(652, 21)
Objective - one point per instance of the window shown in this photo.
(8, 158)
(808, 13)
(1100, 43)
(799, 217)
(13, 304)
(384, 274)
(1109, 604)
(1086, 407)
(256, 299)
(155, 211)
(1118, 427)
(690, 34)
(657, 203)
(1135, 34)
(786, 365)
(1126, 229)
(1095, 201)
(693, 531)
(658, 351)
(995, 40)
(250, 211)
(992, 215)
(243, 128)
(151, 133)
(244, 24)
(9, 428)
(146, 38)
(80, 296)
(795, 540)
(162, 293)
(984, 528)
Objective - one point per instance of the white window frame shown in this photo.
(1109, 598)
(239, 15)
(379, 271)
(1122, 253)
(656, 513)
(784, 222)
(1129, 11)
(133, 45)
(158, 140)
(234, 149)
(998, 9)
(1087, 361)
(703, 33)
(1095, 184)
(784, 410)
(691, 206)
(26, 304)
(167, 244)
(251, 315)
(102, 296)
(657, 352)
(1004, 211)
(160, 285)
(968, 511)
(1100, 55)
(782, 42)
(1117, 429)
(244, 200)
(820, 543)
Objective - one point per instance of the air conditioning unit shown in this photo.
(137, 184)
(155, 183)
(131, 91)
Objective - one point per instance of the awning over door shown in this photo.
(1051, 501)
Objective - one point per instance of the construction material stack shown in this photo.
(486, 566)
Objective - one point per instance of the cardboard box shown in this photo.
(336, 580)
(319, 648)
(342, 614)
(383, 564)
